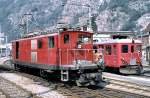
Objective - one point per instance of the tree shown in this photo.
(93, 23)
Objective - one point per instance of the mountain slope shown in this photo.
(107, 14)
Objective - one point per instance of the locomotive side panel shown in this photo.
(44, 51)
(35, 52)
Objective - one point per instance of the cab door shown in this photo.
(52, 51)
(108, 55)
(65, 46)
(125, 54)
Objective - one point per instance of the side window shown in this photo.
(132, 49)
(115, 49)
(2, 52)
(124, 49)
(66, 38)
(51, 42)
(40, 43)
(108, 50)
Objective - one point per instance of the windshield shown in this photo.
(82, 38)
(138, 48)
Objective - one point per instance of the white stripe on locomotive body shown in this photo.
(111, 41)
(36, 37)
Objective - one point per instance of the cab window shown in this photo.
(115, 49)
(124, 49)
(132, 49)
(108, 50)
(51, 42)
(40, 43)
(66, 38)
(84, 38)
(138, 48)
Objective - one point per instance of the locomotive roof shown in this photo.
(39, 36)
(49, 34)
(110, 41)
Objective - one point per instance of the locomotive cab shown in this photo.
(77, 55)
(77, 50)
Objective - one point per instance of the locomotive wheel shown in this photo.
(81, 84)
(81, 80)
(16, 67)
(78, 83)
(43, 73)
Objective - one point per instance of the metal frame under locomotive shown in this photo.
(69, 54)
(122, 55)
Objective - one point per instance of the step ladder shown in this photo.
(64, 75)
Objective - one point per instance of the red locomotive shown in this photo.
(122, 55)
(68, 54)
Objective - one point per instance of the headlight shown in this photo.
(78, 62)
(79, 46)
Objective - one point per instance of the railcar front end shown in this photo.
(122, 55)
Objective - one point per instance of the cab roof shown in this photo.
(111, 41)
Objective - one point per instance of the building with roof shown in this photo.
(146, 42)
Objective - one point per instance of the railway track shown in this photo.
(72, 91)
(128, 86)
(11, 90)
(97, 93)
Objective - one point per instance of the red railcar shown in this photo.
(67, 53)
(123, 55)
